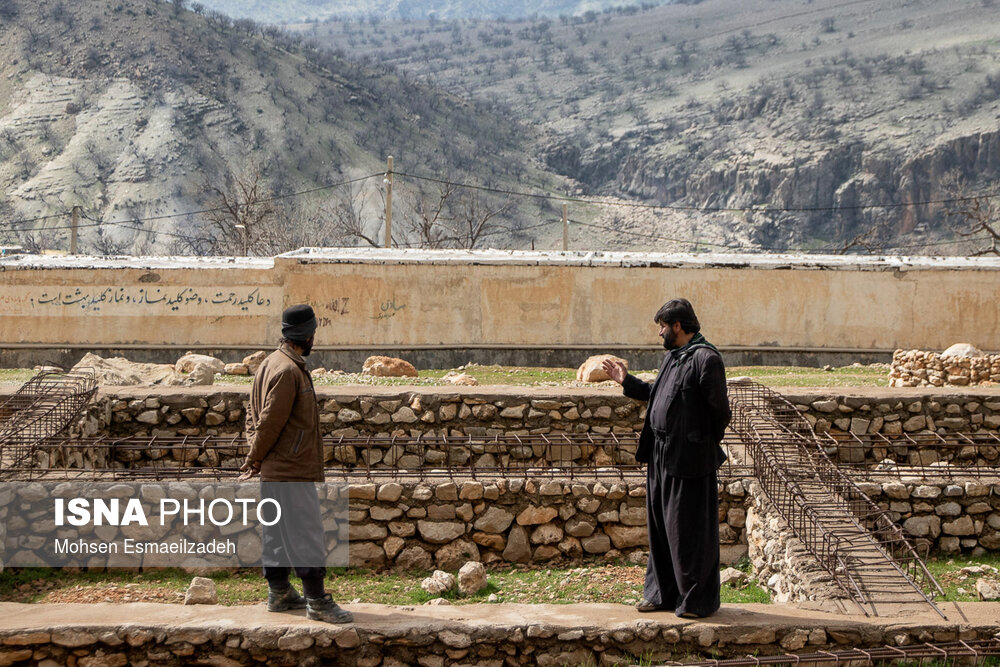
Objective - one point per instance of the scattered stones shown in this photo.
(201, 591)
(438, 583)
(471, 578)
(461, 379)
(988, 589)
(733, 577)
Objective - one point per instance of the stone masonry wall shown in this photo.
(216, 411)
(916, 368)
(427, 525)
(212, 411)
(432, 641)
(780, 560)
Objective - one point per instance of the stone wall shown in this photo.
(916, 368)
(947, 517)
(600, 635)
(349, 412)
(781, 562)
(215, 411)
(427, 525)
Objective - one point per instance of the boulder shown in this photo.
(988, 589)
(733, 577)
(592, 369)
(414, 558)
(253, 361)
(120, 372)
(471, 578)
(201, 591)
(388, 367)
(200, 374)
(439, 582)
(963, 350)
(452, 555)
(237, 369)
(188, 362)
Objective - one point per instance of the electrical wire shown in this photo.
(701, 209)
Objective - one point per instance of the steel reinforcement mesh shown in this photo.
(40, 410)
(865, 553)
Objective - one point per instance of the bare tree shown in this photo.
(872, 240)
(244, 217)
(444, 219)
(477, 219)
(426, 225)
(980, 222)
(107, 245)
(974, 216)
(348, 217)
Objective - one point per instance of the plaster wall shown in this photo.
(421, 300)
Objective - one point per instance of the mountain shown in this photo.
(138, 109)
(297, 11)
(805, 113)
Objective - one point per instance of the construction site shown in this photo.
(835, 497)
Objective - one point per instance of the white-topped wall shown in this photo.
(371, 299)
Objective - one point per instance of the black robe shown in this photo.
(687, 416)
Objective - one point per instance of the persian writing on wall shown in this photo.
(132, 301)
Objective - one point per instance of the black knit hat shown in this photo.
(298, 322)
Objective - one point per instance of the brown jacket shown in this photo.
(283, 420)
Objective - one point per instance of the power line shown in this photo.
(186, 213)
(701, 209)
(13, 223)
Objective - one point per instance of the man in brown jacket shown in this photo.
(286, 450)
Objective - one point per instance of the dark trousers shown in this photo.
(682, 515)
(297, 541)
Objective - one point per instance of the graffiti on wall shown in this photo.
(146, 300)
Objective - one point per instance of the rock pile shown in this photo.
(959, 365)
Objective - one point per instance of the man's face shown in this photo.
(668, 332)
(308, 346)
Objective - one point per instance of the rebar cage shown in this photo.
(867, 555)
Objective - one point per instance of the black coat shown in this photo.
(697, 413)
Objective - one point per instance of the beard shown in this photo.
(306, 347)
(670, 340)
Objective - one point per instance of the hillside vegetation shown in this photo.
(288, 11)
(761, 104)
(142, 109)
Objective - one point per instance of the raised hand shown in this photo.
(616, 370)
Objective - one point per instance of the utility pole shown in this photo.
(565, 227)
(388, 202)
(243, 233)
(73, 231)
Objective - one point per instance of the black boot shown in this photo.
(326, 610)
(283, 599)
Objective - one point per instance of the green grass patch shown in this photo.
(960, 586)
(776, 376)
(596, 582)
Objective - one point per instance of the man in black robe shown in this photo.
(686, 418)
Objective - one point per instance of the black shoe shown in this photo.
(284, 599)
(647, 606)
(326, 610)
(689, 614)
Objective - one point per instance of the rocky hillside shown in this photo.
(143, 109)
(760, 104)
(291, 11)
